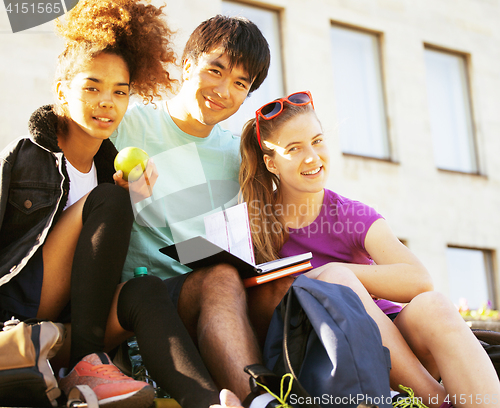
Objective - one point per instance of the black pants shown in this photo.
(169, 354)
(97, 266)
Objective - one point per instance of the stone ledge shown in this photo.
(484, 324)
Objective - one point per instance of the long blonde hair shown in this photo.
(260, 188)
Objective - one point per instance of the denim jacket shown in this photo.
(34, 187)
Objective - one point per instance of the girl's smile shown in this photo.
(312, 172)
(97, 97)
(301, 158)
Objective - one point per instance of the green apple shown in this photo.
(132, 161)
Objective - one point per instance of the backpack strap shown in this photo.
(262, 379)
(297, 388)
(259, 374)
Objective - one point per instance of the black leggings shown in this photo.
(145, 308)
(97, 266)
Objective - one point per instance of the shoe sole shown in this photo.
(143, 398)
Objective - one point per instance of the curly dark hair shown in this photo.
(133, 30)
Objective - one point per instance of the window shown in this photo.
(470, 275)
(272, 87)
(450, 111)
(358, 93)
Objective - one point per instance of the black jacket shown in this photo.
(34, 186)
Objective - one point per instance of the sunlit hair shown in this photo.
(133, 30)
(260, 187)
(239, 38)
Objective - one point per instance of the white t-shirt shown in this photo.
(80, 183)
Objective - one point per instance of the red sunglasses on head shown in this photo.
(272, 109)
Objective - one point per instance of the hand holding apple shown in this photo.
(132, 161)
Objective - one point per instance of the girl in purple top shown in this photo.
(284, 170)
(337, 235)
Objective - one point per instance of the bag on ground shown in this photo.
(322, 335)
(490, 340)
(26, 377)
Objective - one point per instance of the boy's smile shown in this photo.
(212, 90)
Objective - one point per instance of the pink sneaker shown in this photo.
(111, 386)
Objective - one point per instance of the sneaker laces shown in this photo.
(109, 370)
(283, 396)
(409, 401)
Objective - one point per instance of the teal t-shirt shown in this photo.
(196, 177)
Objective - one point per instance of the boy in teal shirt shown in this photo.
(198, 162)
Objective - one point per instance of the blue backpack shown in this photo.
(322, 335)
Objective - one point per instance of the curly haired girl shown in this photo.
(65, 225)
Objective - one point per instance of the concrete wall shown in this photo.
(426, 207)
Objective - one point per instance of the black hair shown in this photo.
(239, 38)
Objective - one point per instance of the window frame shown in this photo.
(380, 40)
(467, 58)
(490, 265)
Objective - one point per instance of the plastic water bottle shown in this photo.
(139, 371)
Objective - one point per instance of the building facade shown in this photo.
(408, 93)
